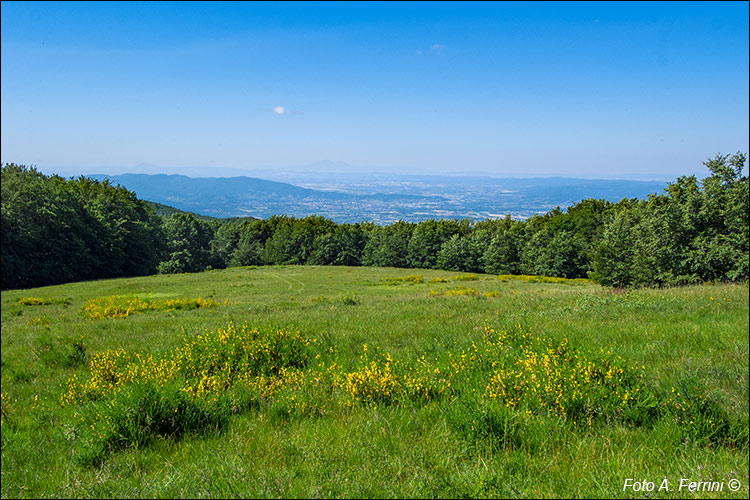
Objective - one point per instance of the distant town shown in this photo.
(379, 198)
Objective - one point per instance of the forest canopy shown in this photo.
(56, 231)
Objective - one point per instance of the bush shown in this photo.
(65, 352)
(145, 410)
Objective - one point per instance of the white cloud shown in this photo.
(435, 48)
(280, 110)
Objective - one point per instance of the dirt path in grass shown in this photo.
(289, 282)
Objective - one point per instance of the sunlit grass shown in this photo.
(353, 388)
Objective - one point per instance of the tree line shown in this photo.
(56, 230)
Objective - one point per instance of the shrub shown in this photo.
(465, 277)
(122, 306)
(66, 352)
(144, 410)
(509, 388)
(350, 300)
(412, 278)
(42, 301)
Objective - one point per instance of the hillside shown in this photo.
(386, 385)
(381, 198)
(166, 210)
(227, 197)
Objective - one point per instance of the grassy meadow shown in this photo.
(310, 381)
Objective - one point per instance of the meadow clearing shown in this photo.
(313, 381)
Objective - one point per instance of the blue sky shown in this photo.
(636, 90)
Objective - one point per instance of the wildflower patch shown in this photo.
(381, 380)
(465, 277)
(42, 301)
(464, 291)
(40, 321)
(543, 279)
(129, 398)
(510, 374)
(203, 363)
(6, 408)
(414, 279)
(541, 375)
(119, 306)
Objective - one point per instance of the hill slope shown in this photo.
(377, 330)
(378, 198)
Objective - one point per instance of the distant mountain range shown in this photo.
(381, 198)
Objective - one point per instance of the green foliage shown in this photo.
(248, 252)
(349, 300)
(486, 421)
(55, 231)
(614, 258)
(188, 244)
(463, 252)
(503, 253)
(143, 411)
(226, 239)
(388, 246)
(46, 237)
(453, 254)
(694, 232)
(61, 352)
(700, 419)
(493, 388)
(130, 400)
(427, 240)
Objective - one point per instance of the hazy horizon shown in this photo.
(323, 167)
(587, 90)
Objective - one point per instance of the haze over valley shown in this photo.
(382, 198)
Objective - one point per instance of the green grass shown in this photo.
(692, 339)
